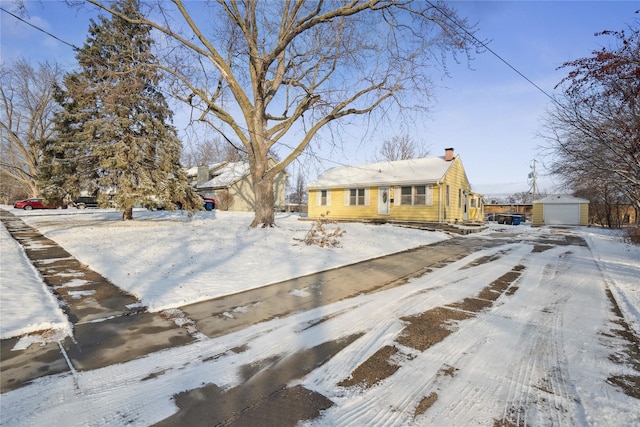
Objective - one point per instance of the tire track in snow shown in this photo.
(542, 394)
(392, 401)
(539, 391)
(525, 381)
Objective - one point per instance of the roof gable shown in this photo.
(227, 174)
(560, 199)
(423, 170)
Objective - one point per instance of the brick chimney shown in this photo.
(448, 154)
(203, 175)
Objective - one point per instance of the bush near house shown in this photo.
(632, 235)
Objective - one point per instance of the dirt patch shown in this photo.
(447, 371)
(425, 404)
(515, 418)
(627, 354)
(374, 369)
(431, 327)
(486, 259)
(630, 384)
(486, 296)
(474, 305)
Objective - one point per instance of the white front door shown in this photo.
(383, 200)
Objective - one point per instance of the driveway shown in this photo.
(494, 330)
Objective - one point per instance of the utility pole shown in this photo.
(534, 177)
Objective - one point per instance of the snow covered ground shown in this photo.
(168, 260)
(540, 359)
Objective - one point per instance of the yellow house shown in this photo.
(432, 189)
(560, 209)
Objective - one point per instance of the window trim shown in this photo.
(401, 198)
(365, 196)
(327, 197)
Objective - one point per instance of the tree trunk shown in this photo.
(127, 214)
(264, 197)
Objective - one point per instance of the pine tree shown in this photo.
(114, 135)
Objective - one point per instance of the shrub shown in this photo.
(632, 235)
(320, 234)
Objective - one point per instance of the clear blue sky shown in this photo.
(488, 113)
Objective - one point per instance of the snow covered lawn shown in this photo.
(167, 259)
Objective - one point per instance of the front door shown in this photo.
(383, 201)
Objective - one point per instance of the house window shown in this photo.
(405, 198)
(416, 195)
(419, 195)
(324, 198)
(473, 202)
(447, 197)
(356, 197)
(459, 197)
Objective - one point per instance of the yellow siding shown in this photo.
(584, 214)
(337, 208)
(455, 178)
(416, 213)
(537, 218)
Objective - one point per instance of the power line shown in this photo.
(40, 29)
(447, 16)
(484, 45)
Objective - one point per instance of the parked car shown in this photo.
(85, 202)
(209, 202)
(35, 203)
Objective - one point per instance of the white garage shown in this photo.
(560, 209)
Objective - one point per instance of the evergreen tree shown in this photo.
(113, 134)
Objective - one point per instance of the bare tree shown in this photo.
(26, 121)
(402, 148)
(593, 131)
(210, 151)
(297, 196)
(274, 73)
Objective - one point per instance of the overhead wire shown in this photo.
(446, 15)
(39, 29)
(494, 53)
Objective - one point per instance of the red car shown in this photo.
(209, 202)
(29, 204)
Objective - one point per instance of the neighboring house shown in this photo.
(433, 189)
(560, 209)
(230, 183)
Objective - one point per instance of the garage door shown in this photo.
(562, 214)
